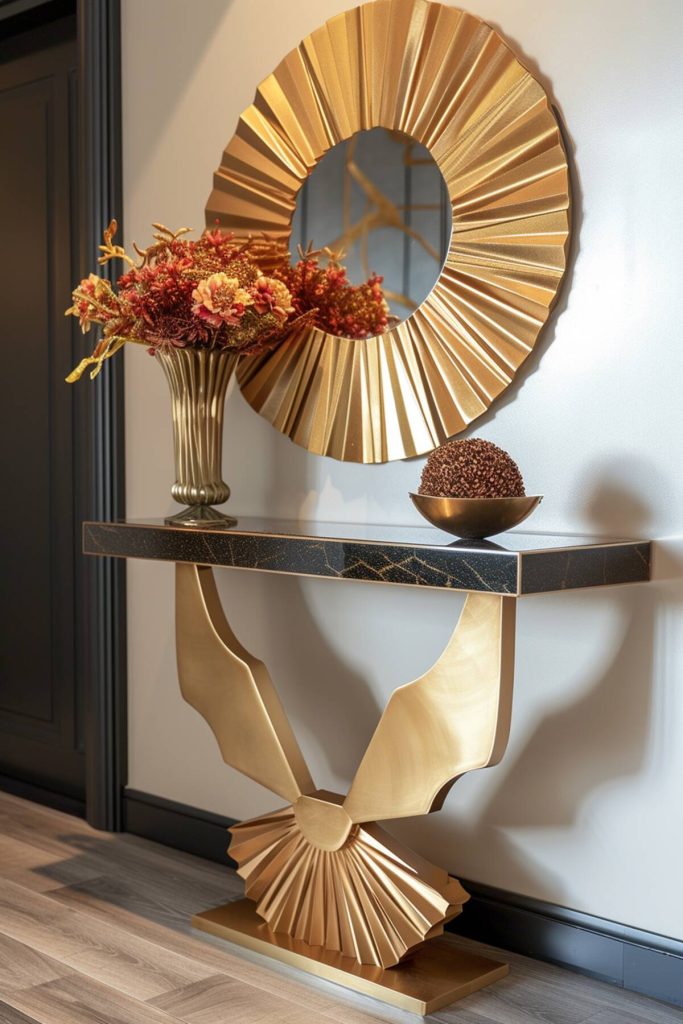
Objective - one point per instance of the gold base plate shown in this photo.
(435, 976)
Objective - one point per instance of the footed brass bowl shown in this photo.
(475, 518)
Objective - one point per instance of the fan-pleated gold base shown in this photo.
(372, 899)
(449, 81)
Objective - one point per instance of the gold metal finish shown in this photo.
(320, 869)
(322, 820)
(453, 719)
(449, 81)
(198, 379)
(475, 518)
(370, 898)
(233, 691)
(436, 975)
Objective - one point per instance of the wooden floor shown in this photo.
(94, 929)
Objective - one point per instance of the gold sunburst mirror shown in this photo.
(447, 82)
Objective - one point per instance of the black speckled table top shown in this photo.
(515, 563)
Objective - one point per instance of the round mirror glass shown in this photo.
(380, 201)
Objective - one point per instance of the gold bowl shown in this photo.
(475, 518)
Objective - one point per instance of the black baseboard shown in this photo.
(177, 825)
(40, 795)
(628, 957)
(636, 960)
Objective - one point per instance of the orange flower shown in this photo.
(272, 296)
(220, 299)
(93, 302)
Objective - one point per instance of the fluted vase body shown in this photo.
(198, 379)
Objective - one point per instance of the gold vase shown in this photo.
(198, 379)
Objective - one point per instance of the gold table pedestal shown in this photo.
(435, 976)
(330, 890)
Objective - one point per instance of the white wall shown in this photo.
(585, 808)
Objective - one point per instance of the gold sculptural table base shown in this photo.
(436, 975)
(329, 890)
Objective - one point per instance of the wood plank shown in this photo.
(468, 1016)
(23, 967)
(620, 1017)
(9, 1015)
(603, 997)
(39, 823)
(219, 999)
(641, 1010)
(37, 869)
(514, 1000)
(18, 804)
(47, 830)
(206, 868)
(79, 1000)
(100, 853)
(154, 910)
(130, 905)
(109, 954)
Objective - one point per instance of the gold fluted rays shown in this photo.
(320, 870)
(372, 899)
(449, 81)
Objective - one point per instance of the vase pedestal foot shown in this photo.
(436, 975)
(200, 515)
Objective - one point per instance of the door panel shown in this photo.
(40, 712)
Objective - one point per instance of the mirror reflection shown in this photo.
(380, 200)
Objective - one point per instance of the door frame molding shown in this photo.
(101, 597)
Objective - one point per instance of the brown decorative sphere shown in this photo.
(471, 469)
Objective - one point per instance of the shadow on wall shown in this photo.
(582, 747)
(571, 752)
(608, 500)
(602, 736)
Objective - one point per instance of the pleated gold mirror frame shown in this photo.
(448, 80)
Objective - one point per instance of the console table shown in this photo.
(328, 889)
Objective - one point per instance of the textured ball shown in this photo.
(471, 469)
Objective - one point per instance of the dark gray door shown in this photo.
(40, 706)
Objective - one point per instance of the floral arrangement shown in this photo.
(220, 293)
(352, 311)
